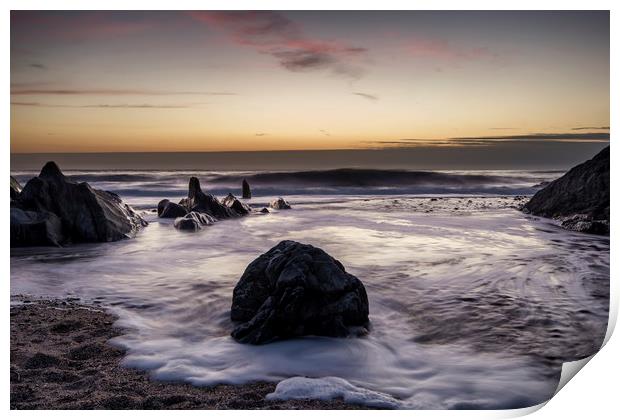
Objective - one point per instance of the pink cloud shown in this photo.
(440, 49)
(273, 34)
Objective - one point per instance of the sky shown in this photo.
(178, 81)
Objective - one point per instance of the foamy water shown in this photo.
(472, 303)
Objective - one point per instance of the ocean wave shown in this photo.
(369, 178)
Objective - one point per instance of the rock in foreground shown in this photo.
(295, 290)
(51, 210)
(579, 199)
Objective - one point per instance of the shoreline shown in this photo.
(61, 358)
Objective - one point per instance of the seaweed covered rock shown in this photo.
(280, 204)
(84, 214)
(579, 199)
(294, 290)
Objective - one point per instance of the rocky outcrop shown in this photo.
(280, 204)
(15, 188)
(246, 193)
(200, 202)
(579, 199)
(84, 214)
(31, 228)
(239, 207)
(295, 290)
(170, 210)
(193, 221)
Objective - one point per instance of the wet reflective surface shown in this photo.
(473, 304)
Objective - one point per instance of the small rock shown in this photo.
(280, 204)
(240, 208)
(193, 221)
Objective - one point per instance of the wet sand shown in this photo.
(61, 359)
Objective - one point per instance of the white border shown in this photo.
(593, 394)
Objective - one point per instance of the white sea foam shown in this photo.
(330, 388)
(467, 306)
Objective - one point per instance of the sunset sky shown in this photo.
(231, 81)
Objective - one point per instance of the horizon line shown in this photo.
(413, 146)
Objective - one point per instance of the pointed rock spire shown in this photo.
(51, 171)
(245, 187)
(194, 187)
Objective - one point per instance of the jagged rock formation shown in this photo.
(200, 202)
(239, 207)
(294, 290)
(579, 199)
(50, 210)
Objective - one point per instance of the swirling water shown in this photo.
(472, 303)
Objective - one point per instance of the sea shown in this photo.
(473, 304)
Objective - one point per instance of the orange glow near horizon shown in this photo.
(208, 81)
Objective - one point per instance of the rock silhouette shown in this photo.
(189, 211)
(579, 199)
(52, 210)
(245, 190)
(200, 202)
(294, 290)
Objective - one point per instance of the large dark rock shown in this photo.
(280, 204)
(86, 214)
(200, 202)
(579, 199)
(239, 207)
(170, 210)
(15, 188)
(30, 228)
(245, 190)
(193, 221)
(294, 290)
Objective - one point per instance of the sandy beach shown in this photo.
(61, 359)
